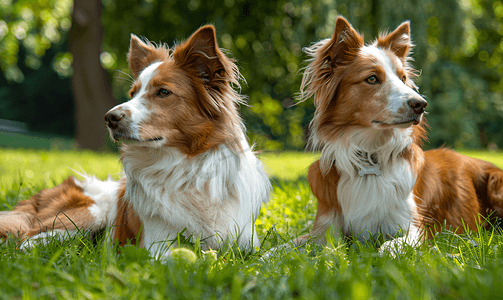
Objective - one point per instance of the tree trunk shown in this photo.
(91, 89)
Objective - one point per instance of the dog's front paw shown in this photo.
(45, 238)
(394, 248)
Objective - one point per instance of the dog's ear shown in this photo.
(398, 41)
(138, 56)
(320, 76)
(202, 54)
(345, 40)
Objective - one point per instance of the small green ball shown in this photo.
(183, 255)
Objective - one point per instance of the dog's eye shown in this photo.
(132, 94)
(163, 92)
(404, 78)
(372, 80)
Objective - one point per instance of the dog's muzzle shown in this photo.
(113, 117)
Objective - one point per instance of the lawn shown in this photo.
(449, 266)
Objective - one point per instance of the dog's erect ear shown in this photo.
(201, 52)
(345, 40)
(398, 41)
(201, 56)
(328, 55)
(138, 56)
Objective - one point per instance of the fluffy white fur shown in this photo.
(105, 195)
(372, 204)
(216, 195)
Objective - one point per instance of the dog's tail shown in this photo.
(87, 205)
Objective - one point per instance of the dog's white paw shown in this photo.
(45, 238)
(394, 248)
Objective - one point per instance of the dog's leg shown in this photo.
(325, 217)
(324, 187)
(16, 223)
(127, 227)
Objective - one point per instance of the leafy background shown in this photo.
(459, 48)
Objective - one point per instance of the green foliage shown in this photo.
(35, 86)
(31, 27)
(450, 266)
(265, 37)
(459, 52)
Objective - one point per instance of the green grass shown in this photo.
(449, 266)
(495, 157)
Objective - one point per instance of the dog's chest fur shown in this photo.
(209, 195)
(373, 204)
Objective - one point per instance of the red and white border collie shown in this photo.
(186, 159)
(372, 176)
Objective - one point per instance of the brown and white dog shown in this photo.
(372, 176)
(186, 159)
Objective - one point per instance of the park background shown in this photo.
(62, 63)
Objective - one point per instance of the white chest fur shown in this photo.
(377, 203)
(216, 195)
(372, 203)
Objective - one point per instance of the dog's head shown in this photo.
(359, 85)
(180, 97)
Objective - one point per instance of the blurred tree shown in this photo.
(91, 88)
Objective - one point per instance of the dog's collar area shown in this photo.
(370, 165)
(372, 170)
(368, 158)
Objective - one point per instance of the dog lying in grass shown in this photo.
(188, 166)
(373, 176)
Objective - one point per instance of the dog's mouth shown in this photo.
(121, 137)
(411, 121)
(402, 123)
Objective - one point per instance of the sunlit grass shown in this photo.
(449, 266)
(288, 165)
(24, 172)
(495, 157)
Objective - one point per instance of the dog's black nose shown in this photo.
(418, 105)
(113, 118)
